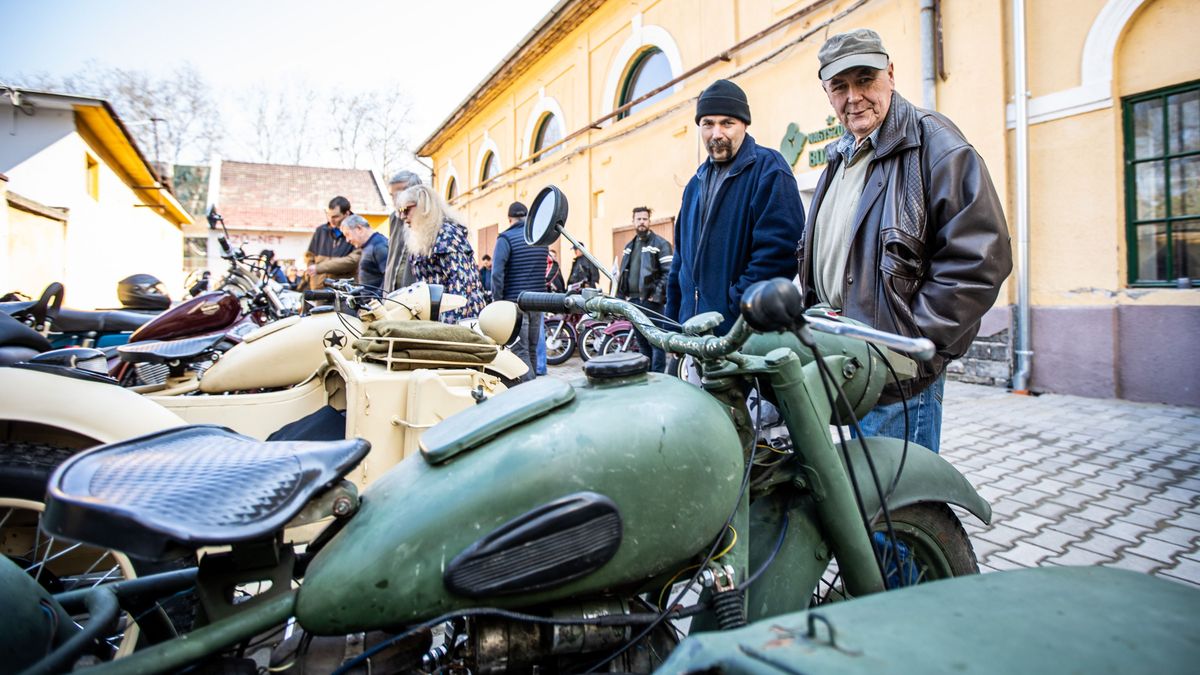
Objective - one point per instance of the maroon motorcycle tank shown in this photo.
(205, 313)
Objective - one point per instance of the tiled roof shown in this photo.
(282, 197)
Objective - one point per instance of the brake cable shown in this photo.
(827, 379)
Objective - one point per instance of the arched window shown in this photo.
(491, 167)
(648, 71)
(549, 132)
(451, 189)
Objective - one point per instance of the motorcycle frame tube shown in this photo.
(787, 585)
(172, 655)
(806, 414)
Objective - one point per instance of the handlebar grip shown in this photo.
(320, 295)
(534, 301)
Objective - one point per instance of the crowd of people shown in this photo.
(905, 233)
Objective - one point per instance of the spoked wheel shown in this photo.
(55, 564)
(560, 340)
(931, 545)
(591, 339)
(621, 341)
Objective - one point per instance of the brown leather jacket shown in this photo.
(930, 246)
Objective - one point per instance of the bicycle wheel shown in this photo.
(560, 340)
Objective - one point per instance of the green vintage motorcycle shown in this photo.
(556, 527)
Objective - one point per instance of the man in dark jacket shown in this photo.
(741, 214)
(374, 247)
(583, 272)
(906, 231)
(518, 267)
(329, 255)
(485, 276)
(643, 278)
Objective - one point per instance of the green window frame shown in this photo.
(632, 78)
(491, 167)
(549, 132)
(1162, 185)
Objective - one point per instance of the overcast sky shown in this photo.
(438, 49)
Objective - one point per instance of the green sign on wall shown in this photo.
(794, 142)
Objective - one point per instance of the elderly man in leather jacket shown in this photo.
(906, 231)
(643, 281)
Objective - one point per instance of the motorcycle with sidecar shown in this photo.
(543, 532)
(558, 527)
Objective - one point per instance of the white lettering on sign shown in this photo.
(252, 240)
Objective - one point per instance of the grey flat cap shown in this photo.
(860, 47)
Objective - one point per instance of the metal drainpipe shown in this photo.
(1024, 352)
(928, 58)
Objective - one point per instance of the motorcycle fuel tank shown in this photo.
(282, 353)
(548, 491)
(205, 313)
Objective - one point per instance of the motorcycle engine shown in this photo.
(497, 645)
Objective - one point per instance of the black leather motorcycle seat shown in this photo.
(165, 351)
(101, 320)
(13, 333)
(170, 492)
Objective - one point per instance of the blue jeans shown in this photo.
(658, 358)
(924, 417)
(541, 345)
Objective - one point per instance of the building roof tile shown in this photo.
(285, 197)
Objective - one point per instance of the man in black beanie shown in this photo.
(741, 215)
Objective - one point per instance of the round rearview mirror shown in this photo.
(546, 217)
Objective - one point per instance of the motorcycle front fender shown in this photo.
(924, 477)
(101, 412)
(800, 562)
(507, 364)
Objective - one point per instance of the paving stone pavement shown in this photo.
(1078, 481)
(1073, 480)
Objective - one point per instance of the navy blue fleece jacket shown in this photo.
(750, 235)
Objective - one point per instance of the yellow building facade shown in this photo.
(1113, 256)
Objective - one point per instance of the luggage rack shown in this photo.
(397, 357)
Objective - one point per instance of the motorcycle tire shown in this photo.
(560, 341)
(25, 470)
(591, 340)
(621, 341)
(936, 543)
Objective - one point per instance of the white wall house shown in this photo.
(74, 155)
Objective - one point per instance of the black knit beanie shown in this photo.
(723, 98)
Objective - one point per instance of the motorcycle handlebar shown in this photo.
(767, 306)
(323, 295)
(534, 301)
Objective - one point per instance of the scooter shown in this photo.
(545, 534)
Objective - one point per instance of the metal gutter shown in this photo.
(928, 55)
(1022, 349)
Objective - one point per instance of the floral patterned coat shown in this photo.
(451, 263)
